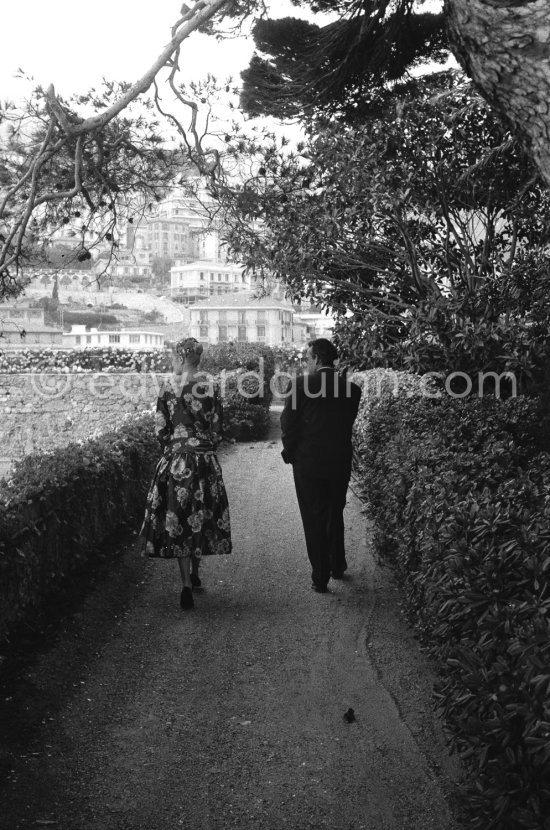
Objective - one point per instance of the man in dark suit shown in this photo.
(317, 420)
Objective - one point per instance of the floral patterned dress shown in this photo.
(187, 512)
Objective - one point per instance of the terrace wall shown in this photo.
(41, 411)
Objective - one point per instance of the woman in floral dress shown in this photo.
(187, 513)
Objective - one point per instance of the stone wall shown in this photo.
(40, 411)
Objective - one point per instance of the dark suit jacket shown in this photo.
(316, 423)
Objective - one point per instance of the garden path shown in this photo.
(141, 717)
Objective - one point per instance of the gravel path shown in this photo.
(141, 717)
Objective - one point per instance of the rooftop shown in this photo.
(31, 327)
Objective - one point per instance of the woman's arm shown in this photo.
(216, 423)
(163, 423)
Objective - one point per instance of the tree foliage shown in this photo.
(80, 187)
(59, 166)
(301, 68)
(421, 231)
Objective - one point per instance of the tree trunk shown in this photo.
(504, 47)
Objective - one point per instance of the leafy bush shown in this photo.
(377, 385)
(460, 493)
(288, 357)
(235, 355)
(58, 508)
(255, 360)
(243, 420)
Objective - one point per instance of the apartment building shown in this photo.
(196, 281)
(243, 317)
(178, 228)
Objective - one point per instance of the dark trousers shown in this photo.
(321, 502)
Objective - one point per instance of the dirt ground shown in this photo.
(129, 714)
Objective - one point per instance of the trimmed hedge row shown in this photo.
(58, 508)
(460, 495)
(226, 356)
(100, 359)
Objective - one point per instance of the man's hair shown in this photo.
(324, 350)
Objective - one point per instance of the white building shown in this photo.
(179, 228)
(195, 281)
(79, 337)
(242, 317)
(317, 323)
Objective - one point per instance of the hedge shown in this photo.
(98, 359)
(58, 508)
(228, 356)
(460, 495)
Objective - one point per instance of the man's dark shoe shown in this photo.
(186, 598)
(320, 589)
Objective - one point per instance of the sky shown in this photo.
(73, 45)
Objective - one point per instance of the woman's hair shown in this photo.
(324, 350)
(189, 349)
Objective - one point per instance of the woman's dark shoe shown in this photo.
(186, 599)
(195, 581)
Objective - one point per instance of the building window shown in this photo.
(220, 289)
(134, 338)
(77, 340)
(261, 316)
(203, 316)
(260, 331)
(114, 338)
(222, 334)
(203, 331)
(223, 316)
(242, 317)
(202, 276)
(241, 333)
(227, 277)
(88, 338)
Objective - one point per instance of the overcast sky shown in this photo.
(75, 44)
